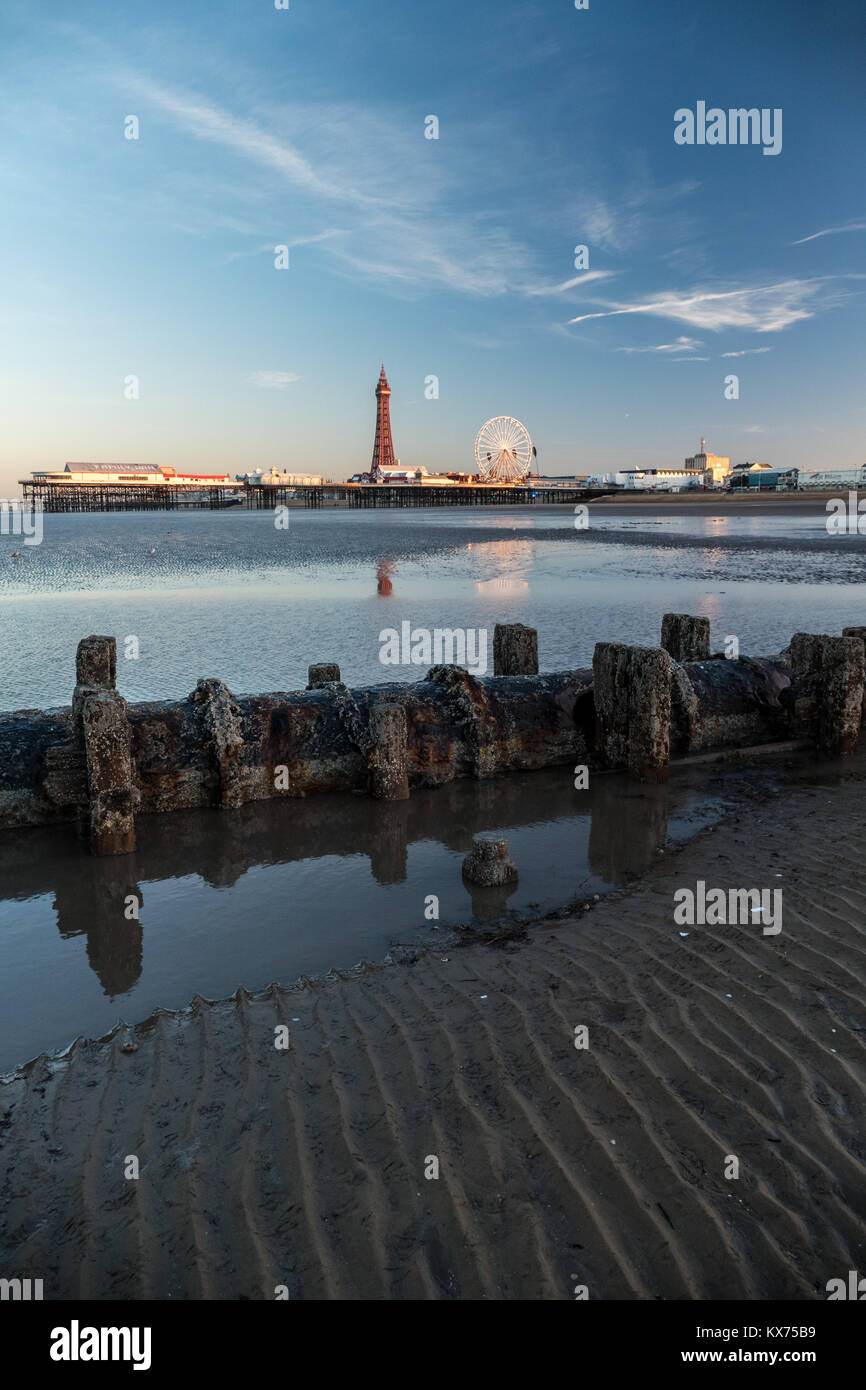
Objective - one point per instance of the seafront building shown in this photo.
(714, 467)
(662, 479)
(833, 477)
(275, 478)
(418, 476)
(142, 474)
(762, 477)
(701, 470)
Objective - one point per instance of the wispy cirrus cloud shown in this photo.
(205, 121)
(680, 345)
(633, 218)
(407, 233)
(272, 381)
(832, 231)
(761, 309)
(746, 352)
(586, 277)
(269, 247)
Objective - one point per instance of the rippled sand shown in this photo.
(558, 1166)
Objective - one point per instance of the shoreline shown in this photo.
(306, 1168)
(739, 503)
(699, 503)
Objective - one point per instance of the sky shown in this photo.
(449, 258)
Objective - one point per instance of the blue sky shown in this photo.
(451, 257)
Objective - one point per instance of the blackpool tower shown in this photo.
(383, 447)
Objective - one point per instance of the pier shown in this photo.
(133, 497)
(405, 495)
(126, 497)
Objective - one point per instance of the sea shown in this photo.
(230, 594)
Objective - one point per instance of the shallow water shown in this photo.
(278, 890)
(227, 594)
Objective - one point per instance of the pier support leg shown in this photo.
(827, 674)
(632, 691)
(388, 759)
(686, 638)
(322, 674)
(515, 650)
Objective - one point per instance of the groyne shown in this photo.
(102, 762)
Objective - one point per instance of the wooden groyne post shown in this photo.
(827, 680)
(102, 733)
(632, 692)
(686, 638)
(515, 650)
(388, 757)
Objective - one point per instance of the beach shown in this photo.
(308, 1172)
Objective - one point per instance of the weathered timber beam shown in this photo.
(101, 761)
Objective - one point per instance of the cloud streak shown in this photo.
(763, 309)
(746, 352)
(586, 277)
(402, 234)
(681, 345)
(272, 381)
(205, 121)
(832, 231)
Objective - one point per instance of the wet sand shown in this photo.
(740, 503)
(697, 503)
(558, 1166)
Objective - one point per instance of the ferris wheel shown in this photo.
(503, 450)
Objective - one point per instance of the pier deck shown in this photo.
(128, 497)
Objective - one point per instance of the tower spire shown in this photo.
(383, 445)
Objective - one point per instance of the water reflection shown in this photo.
(384, 585)
(353, 872)
(95, 902)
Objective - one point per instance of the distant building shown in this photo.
(419, 476)
(741, 472)
(833, 478)
(714, 466)
(659, 479)
(277, 479)
(142, 474)
(595, 480)
(763, 477)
